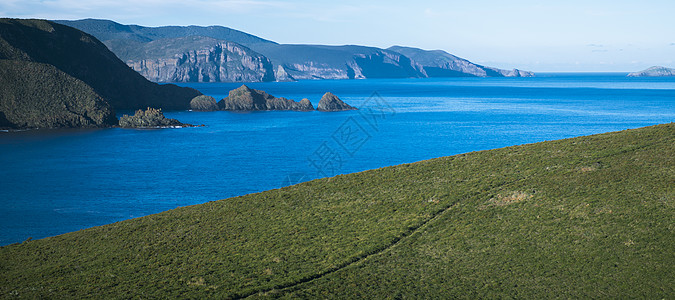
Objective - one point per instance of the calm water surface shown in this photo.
(57, 181)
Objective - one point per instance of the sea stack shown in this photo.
(203, 103)
(330, 102)
(248, 99)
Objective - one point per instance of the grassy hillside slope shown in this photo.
(583, 217)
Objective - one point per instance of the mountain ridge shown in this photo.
(289, 61)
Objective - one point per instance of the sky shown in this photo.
(541, 36)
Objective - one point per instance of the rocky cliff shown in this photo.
(247, 99)
(194, 59)
(438, 63)
(338, 62)
(82, 56)
(655, 71)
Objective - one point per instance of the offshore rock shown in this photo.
(247, 99)
(330, 102)
(203, 103)
(150, 118)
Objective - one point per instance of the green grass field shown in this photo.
(588, 217)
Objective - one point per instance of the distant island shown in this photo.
(655, 71)
(221, 54)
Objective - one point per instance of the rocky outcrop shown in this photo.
(203, 103)
(655, 71)
(330, 102)
(195, 59)
(311, 70)
(438, 63)
(150, 118)
(281, 75)
(36, 95)
(388, 64)
(288, 104)
(82, 56)
(247, 99)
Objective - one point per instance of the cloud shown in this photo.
(672, 44)
(148, 11)
(595, 45)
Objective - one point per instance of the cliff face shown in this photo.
(655, 71)
(337, 62)
(82, 56)
(438, 63)
(195, 59)
(387, 64)
(313, 70)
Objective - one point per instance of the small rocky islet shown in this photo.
(245, 98)
(150, 118)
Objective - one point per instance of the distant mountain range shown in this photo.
(221, 54)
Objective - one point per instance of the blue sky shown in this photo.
(590, 35)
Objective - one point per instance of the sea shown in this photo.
(58, 181)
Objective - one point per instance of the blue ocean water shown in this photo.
(57, 181)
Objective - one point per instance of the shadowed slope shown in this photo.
(82, 56)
